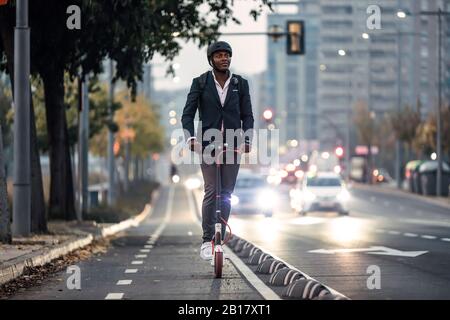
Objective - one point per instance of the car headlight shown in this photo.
(267, 199)
(309, 196)
(175, 178)
(344, 195)
(234, 200)
(193, 183)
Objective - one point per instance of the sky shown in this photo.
(249, 52)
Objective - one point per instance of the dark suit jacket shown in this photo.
(236, 112)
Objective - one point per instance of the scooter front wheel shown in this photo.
(218, 264)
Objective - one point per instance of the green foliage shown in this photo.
(365, 123)
(138, 123)
(128, 31)
(98, 112)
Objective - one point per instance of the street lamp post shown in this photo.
(439, 14)
(22, 171)
(111, 162)
(398, 147)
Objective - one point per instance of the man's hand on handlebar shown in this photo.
(195, 146)
(245, 148)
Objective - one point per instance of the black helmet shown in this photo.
(219, 46)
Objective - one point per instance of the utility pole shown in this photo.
(83, 151)
(22, 171)
(111, 164)
(439, 14)
(398, 146)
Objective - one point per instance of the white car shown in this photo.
(324, 191)
(253, 195)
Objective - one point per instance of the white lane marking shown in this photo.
(167, 217)
(137, 262)
(151, 242)
(407, 234)
(428, 237)
(394, 232)
(378, 250)
(145, 250)
(426, 222)
(445, 239)
(114, 296)
(260, 286)
(148, 246)
(124, 282)
(190, 233)
(131, 270)
(140, 256)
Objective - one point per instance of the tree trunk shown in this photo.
(136, 169)
(38, 213)
(127, 166)
(5, 215)
(62, 202)
(369, 164)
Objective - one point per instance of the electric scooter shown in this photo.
(217, 240)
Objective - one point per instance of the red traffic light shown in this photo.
(339, 151)
(268, 114)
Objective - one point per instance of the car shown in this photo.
(253, 195)
(381, 175)
(194, 181)
(323, 191)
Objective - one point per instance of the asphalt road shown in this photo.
(406, 242)
(388, 248)
(159, 260)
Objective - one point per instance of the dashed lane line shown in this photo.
(131, 270)
(114, 296)
(412, 235)
(428, 237)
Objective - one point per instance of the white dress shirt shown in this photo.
(222, 92)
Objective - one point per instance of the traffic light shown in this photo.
(268, 115)
(296, 37)
(339, 152)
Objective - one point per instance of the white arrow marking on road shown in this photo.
(373, 250)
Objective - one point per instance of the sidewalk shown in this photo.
(63, 238)
(390, 189)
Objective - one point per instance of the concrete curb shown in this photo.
(15, 267)
(390, 191)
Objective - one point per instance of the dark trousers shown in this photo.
(228, 175)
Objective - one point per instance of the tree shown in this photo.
(140, 132)
(367, 128)
(425, 139)
(128, 31)
(98, 111)
(405, 124)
